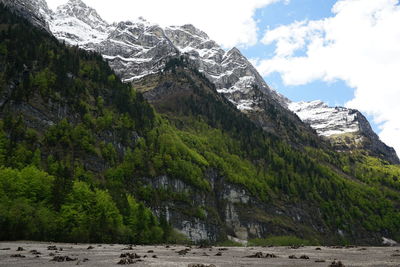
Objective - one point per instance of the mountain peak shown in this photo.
(345, 128)
(195, 31)
(76, 2)
(234, 50)
(77, 23)
(235, 54)
(79, 10)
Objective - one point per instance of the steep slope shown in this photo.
(65, 119)
(346, 129)
(135, 49)
(36, 11)
(78, 24)
(188, 100)
(202, 166)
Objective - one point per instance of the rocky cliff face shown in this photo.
(345, 128)
(36, 11)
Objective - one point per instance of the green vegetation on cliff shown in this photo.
(80, 153)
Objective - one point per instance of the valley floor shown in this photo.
(44, 254)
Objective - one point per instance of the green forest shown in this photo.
(78, 147)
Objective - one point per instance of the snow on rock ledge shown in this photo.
(327, 121)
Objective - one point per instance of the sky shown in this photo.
(344, 52)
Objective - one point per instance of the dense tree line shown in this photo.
(46, 191)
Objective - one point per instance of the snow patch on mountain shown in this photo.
(78, 24)
(327, 121)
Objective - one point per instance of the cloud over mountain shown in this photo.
(359, 45)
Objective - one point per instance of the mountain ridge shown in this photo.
(138, 48)
(201, 165)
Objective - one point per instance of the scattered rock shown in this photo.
(63, 258)
(395, 255)
(205, 254)
(388, 242)
(320, 260)
(125, 261)
(5, 248)
(218, 254)
(129, 255)
(150, 251)
(318, 249)
(130, 247)
(17, 256)
(336, 264)
(166, 246)
(90, 247)
(51, 248)
(20, 249)
(292, 257)
(261, 255)
(362, 249)
(222, 249)
(35, 252)
(154, 256)
(85, 260)
(183, 251)
(304, 257)
(200, 265)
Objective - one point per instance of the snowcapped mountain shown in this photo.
(138, 48)
(78, 24)
(345, 128)
(327, 121)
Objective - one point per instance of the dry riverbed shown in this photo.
(61, 254)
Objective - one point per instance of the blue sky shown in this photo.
(344, 52)
(335, 93)
(283, 13)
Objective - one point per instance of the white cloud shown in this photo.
(230, 23)
(359, 44)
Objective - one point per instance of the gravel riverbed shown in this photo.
(26, 253)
